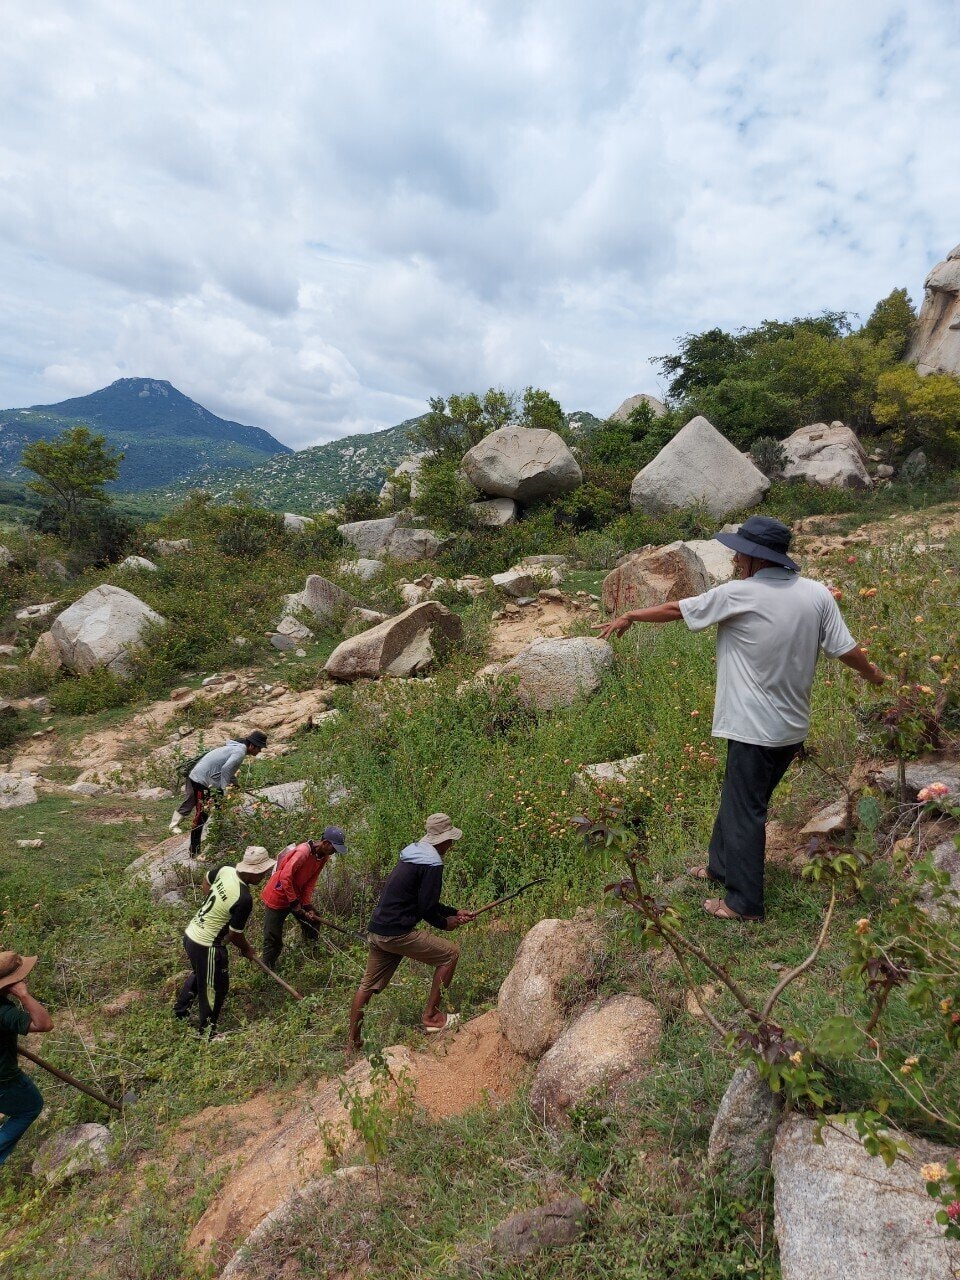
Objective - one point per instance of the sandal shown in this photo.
(703, 873)
(718, 908)
(451, 1021)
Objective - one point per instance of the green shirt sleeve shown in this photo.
(13, 1018)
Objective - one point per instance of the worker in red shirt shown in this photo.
(289, 891)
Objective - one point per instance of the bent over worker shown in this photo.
(290, 889)
(222, 918)
(20, 1099)
(772, 624)
(411, 894)
(209, 777)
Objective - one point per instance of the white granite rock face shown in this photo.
(495, 513)
(623, 411)
(324, 599)
(698, 466)
(16, 790)
(532, 999)
(554, 673)
(522, 463)
(82, 1148)
(935, 347)
(101, 628)
(386, 537)
(829, 456)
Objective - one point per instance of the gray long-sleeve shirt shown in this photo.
(218, 767)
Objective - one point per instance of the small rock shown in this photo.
(138, 562)
(82, 1148)
(609, 771)
(34, 611)
(745, 1124)
(122, 1003)
(283, 643)
(16, 791)
(29, 844)
(172, 546)
(832, 818)
(549, 1226)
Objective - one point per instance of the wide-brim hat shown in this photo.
(14, 967)
(762, 537)
(439, 828)
(256, 859)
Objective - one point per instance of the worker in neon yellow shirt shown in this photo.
(222, 918)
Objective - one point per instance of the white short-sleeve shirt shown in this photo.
(770, 630)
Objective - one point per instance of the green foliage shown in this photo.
(72, 471)
(590, 507)
(892, 321)
(769, 457)
(443, 496)
(360, 504)
(458, 422)
(921, 412)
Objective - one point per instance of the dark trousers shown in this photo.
(739, 837)
(273, 922)
(208, 983)
(21, 1102)
(195, 801)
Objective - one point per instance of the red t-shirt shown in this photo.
(294, 878)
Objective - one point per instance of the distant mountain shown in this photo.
(315, 478)
(165, 436)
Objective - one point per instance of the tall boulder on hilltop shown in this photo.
(936, 341)
(522, 463)
(699, 465)
(101, 628)
(831, 457)
(623, 411)
(652, 576)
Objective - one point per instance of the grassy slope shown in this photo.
(402, 751)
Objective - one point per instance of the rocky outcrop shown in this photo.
(623, 411)
(840, 1214)
(745, 1124)
(609, 1044)
(138, 562)
(831, 457)
(410, 545)
(698, 466)
(411, 467)
(386, 537)
(82, 1148)
(294, 523)
(289, 796)
(101, 628)
(47, 653)
(522, 463)
(652, 576)
(495, 513)
(935, 347)
(172, 546)
(402, 646)
(364, 569)
(548, 1226)
(31, 612)
(554, 673)
(166, 867)
(533, 997)
(17, 790)
(325, 600)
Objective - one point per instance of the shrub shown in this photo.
(769, 456)
(443, 496)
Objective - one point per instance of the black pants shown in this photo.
(208, 983)
(197, 800)
(273, 922)
(739, 837)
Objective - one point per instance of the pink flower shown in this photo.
(953, 1210)
(933, 792)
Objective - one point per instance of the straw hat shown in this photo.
(256, 859)
(14, 967)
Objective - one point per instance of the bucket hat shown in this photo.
(14, 967)
(440, 828)
(763, 537)
(256, 859)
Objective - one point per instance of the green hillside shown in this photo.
(165, 436)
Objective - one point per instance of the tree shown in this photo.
(892, 321)
(458, 423)
(922, 413)
(72, 471)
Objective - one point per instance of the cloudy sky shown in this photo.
(312, 215)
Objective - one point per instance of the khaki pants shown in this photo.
(386, 953)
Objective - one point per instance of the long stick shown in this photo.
(67, 1078)
(276, 977)
(313, 918)
(506, 898)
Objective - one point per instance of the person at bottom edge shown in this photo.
(411, 894)
(20, 1099)
(222, 918)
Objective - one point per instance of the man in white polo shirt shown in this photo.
(771, 626)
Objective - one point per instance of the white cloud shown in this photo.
(313, 217)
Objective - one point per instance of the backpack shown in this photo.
(184, 770)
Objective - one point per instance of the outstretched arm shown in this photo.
(858, 661)
(669, 612)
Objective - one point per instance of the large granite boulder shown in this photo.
(652, 576)
(294, 523)
(533, 997)
(81, 1148)
(101, 628)
(840, 1214)
(745, 1124)
(831, 457)
(46, 653)
(935, 347)
(404, 645)
(698, 466)
(554, 673)
(410, 545)
(17, 790)
(609, 1044)
(325, 600)
(623, 411)
(516, 582)
(717, 559)
(495, 513)
(522, 463)
(369, 537)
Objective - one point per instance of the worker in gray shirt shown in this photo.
(772, 624)
(208, 777)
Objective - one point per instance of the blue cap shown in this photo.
(336, 837)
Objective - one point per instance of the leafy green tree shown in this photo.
(922, 413)
(72, 471)
(360, 504)
(458, 423)
(541, 410)
(443, 496)
(892, 321)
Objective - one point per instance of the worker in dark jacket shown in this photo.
(412, 894)
(20, 1099)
